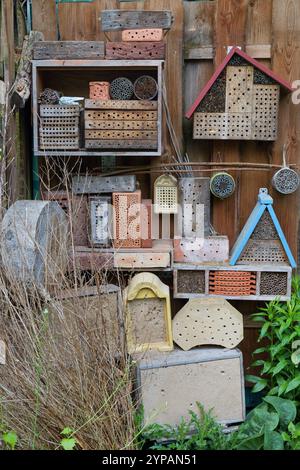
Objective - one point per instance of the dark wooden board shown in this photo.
(135, 50)
(116, 20)
(55, 50)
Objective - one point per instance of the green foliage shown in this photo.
(200, 432)
(279, 372)
(10, 439)
(68, 441)
(266, 424)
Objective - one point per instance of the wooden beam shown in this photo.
(116, 20)
(22, 85)
(256, 51)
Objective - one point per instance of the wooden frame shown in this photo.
(95, 65)
(258, 269)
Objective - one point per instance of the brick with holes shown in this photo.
(127, 220)
(142, 35)
(201, 250)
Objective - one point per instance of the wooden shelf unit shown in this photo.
(72, 77)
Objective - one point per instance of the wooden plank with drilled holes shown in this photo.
(47, 50)
(116, 20)
(135, 50)
(121, 104)
(120, 125)
(120, 135)
(122, 115)
(120, 144)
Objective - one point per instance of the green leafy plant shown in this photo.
(68, 441)
(265, 427)
(279, 371)
(200, 432)
(292, 436)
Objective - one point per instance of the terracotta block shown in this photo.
(146, 223)
(142, 35)
(99, 91)
(148, 314)
(127, 220)
(170, 385)
(194, 250)
(208, 321)
(135, 50)
(230, 283)
(142, 260)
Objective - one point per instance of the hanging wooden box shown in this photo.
(169, 385)
(148, 314)
(59, 127)
(240, 102)
(131, 125)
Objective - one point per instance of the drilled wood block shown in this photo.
(121, 125)
(222, 126)
(122, 144)
(189, 282)
(263, 251)
(121, 135)
(232, 283)
(121, 104)
(146, 223)
(115, 20)
(103, 184)
(58, 132)
(194, 200)
(274, 284)
(201, 250)
(127, 220)
(76, 209)
(265, 112)
(165, 195)
(142, 35)
(116, 115)
(171, 384)
(142, 260)
(239, 89)
(207, 322)
(148, 314)
(135, 50)
(100, 220)
(56, 50)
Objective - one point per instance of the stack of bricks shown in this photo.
(140, 44)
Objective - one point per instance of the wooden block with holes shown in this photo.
(194, 201)
(135, 50)
(59, 127)
(201, 250)
(142, 35)
(117, 124)
(169, 385)
(148, 314)
(127, 220)
(208, 321)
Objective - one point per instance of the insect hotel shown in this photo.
(132, 188)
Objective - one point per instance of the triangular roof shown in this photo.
(235, 50)
(265, 202)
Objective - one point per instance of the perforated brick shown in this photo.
(99, 90)
(142, 35)
(194, 250)
(230, 283)
(127, 222)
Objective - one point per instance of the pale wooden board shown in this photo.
(44, 50)
(121, 135)
(265, 112)
(239, 89)
(121, 115)
(120, 125)
(114, 20)
(209, 321)
(121, 104)
(101, 184)
(142, 260)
